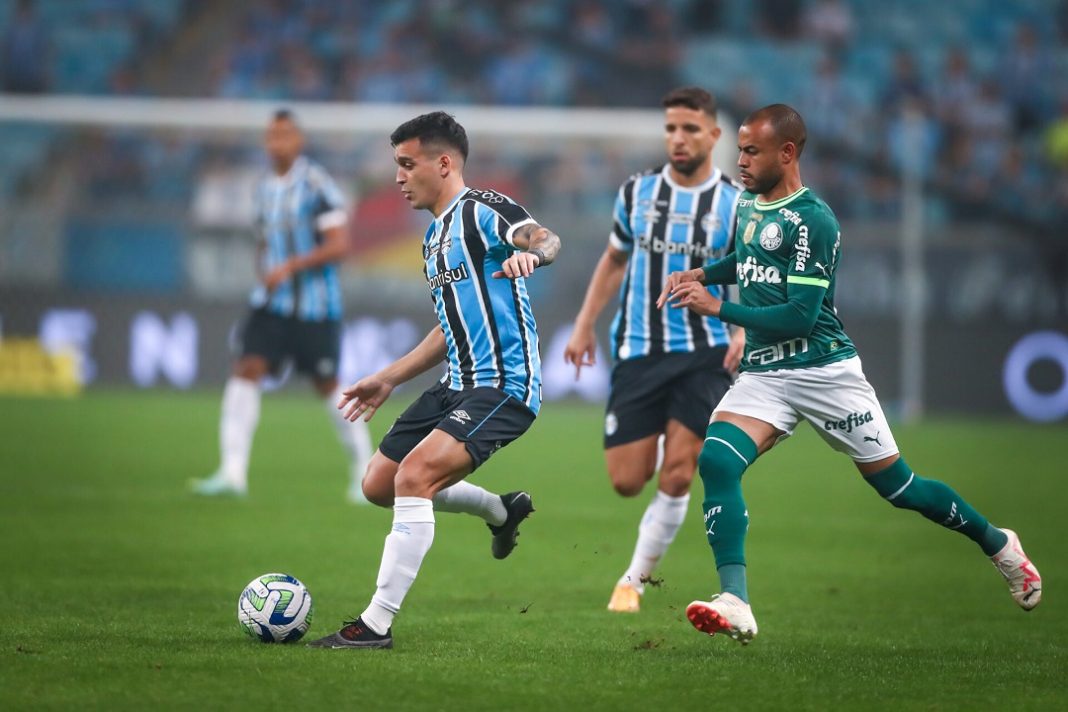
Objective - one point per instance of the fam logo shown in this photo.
(750, 271)
(851, 421)
(771, 237)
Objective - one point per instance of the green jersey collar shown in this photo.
(781, 202)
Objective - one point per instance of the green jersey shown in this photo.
(785, 259)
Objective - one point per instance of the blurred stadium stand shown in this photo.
(79, 205)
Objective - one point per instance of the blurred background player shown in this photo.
(296, 308)
(671, 368)
(800, 365)
(478, 252)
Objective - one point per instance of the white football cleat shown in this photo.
(1025, 583)
(725, 613)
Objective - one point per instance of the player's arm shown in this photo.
(581, 348)
(366, 395)
(722, 271)
(538, 246)
(330, 223)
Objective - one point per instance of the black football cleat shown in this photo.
(354, 634)
(519, 506)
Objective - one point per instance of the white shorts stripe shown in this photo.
(721, 440)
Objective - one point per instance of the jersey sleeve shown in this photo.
(329, 211)
(621, 237)
(815, 248)
(503, 217)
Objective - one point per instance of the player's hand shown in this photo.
(520, 264)
(694, 296)
(363, 398)
(276, 276)
(581, 349)
(735, 350)
(675, 279)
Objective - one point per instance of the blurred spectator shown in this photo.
(829, 22)
(831, 111)
(905, 86)
(958, 90)
(25, 52)
(779, 18)
(988, 122)
(1025, 69)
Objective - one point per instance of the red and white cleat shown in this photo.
(725, 613)
(1025, 583)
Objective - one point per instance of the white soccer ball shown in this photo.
(275, 608)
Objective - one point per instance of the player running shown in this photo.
(478, 252)
(799, 364)
(670, 368)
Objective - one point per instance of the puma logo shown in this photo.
(821, 268)
(869, 439)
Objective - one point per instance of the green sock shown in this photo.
(937, 501)
(732, 580)
(726, 454)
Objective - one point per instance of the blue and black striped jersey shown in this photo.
(489, 327)
(292, 211)
(668, 228)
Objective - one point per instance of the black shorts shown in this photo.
(650, 390)
(483, 419)
(313, 346)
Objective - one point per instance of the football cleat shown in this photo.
(354, 634)
(217, 486)
(1025, 583)
(625, 599)
(519, 507)
(725, 613)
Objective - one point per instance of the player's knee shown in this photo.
(627, 485)
(378, 483)
(676, 474)
(726, 454)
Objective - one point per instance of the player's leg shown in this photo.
(316, 349)
(418, 420)
(897, 483)
(662, 517)
(852, 421)
(635, 423)
(749, 420)
(434, 464)
(261, 351)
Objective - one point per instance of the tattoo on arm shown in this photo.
(544, 243)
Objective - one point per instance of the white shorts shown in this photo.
(836, 399)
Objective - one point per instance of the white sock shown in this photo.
(466, 498)
(658, 528)
(406, 545)
(240, 416)
(355, 437)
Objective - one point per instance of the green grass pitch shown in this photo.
(120, 589)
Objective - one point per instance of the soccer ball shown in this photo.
(275, 608)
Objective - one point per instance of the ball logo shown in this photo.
(771, 237)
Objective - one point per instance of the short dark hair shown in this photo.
(434, 129)
(694, 98)
(785, 122)
(284, 114)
